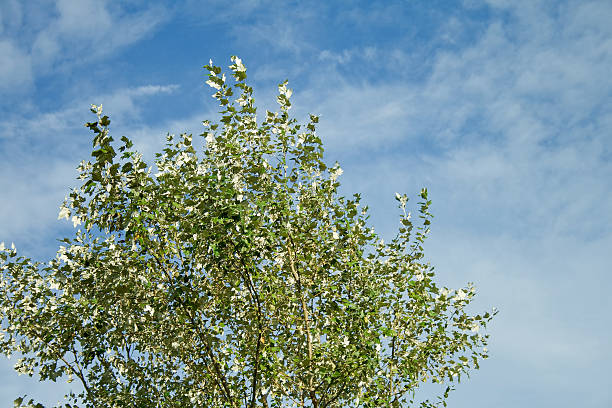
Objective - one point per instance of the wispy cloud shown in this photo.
(512, 135)
(15, 68)
(71, 32)
(511, 121)
(42, 165)
(501, 108)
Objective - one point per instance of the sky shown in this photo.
(501, 108)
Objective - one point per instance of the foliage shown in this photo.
(238, 279)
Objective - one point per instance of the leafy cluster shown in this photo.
(236, 279)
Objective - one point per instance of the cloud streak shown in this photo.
(511, 135)
(501, 108)
(42, 165)
(70, 33)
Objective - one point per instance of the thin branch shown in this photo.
(335, 397)
(255, 296)
(296, 277)
(79, 374)
(219, 377)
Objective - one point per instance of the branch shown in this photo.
(313, 396)
(79, 373)
(331, 383)
(219, 377)
(255, 296)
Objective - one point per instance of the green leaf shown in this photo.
(127, 167)
(242, 258)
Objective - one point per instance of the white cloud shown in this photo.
(153, 89)
(124, 104)
(76, 17)
(42, 165)
(547, 299)
(71, 32)
(339, 58)
(128, 103)
(515, 124)
(15, 67)
(149, 139)
(86, 30)
(280, 33)
(509, 130)
(511, 133)
(44, 183)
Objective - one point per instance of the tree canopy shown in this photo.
(233, 276)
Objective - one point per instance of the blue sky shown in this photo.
(503, 109)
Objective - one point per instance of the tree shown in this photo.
(238, 279)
